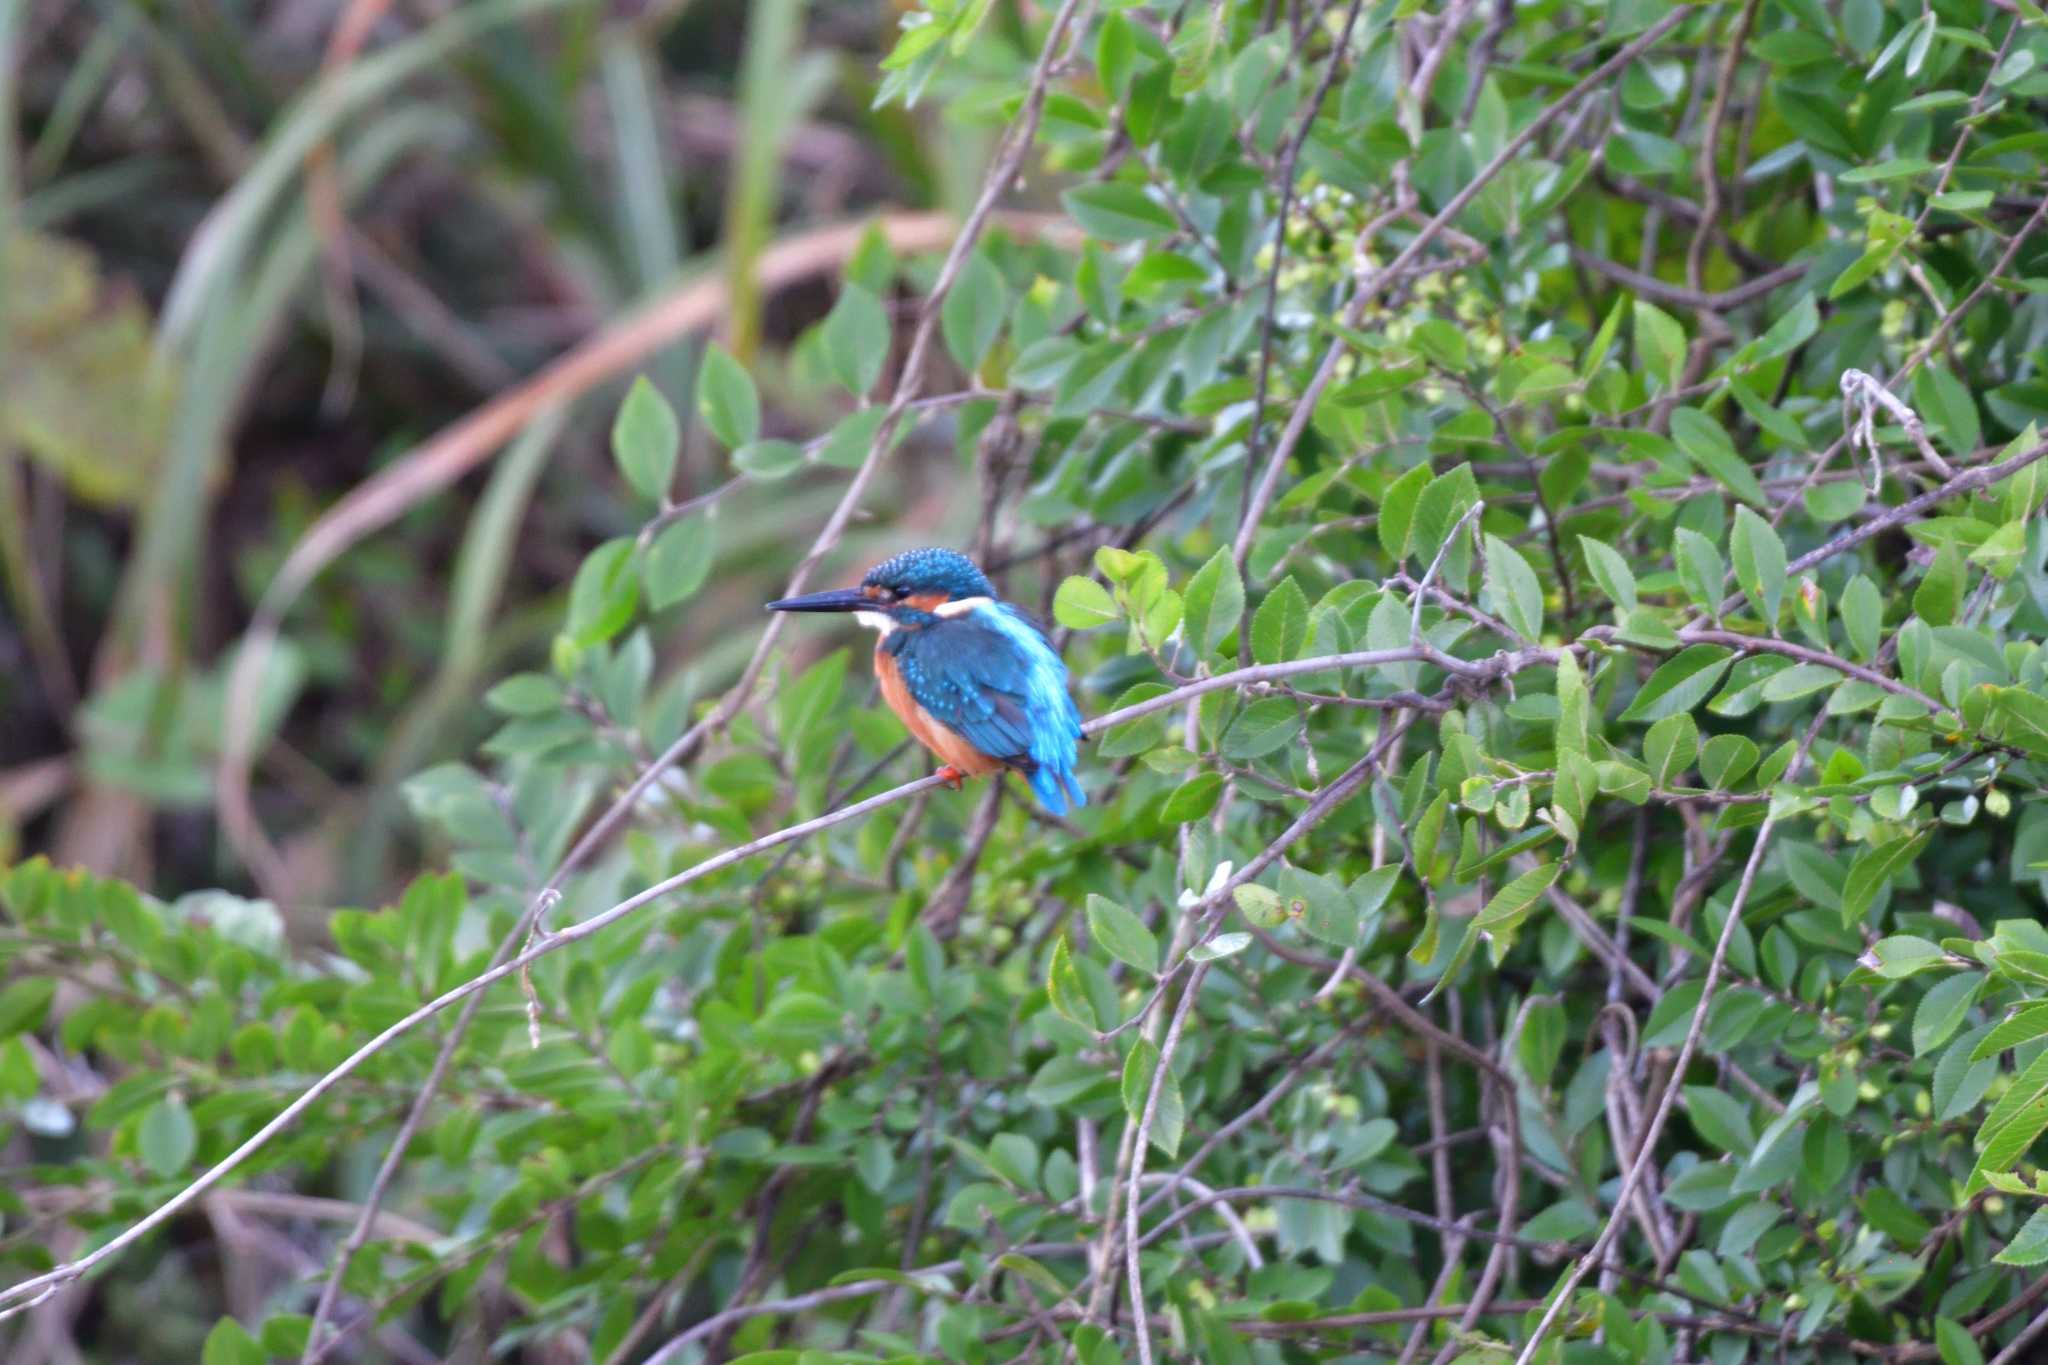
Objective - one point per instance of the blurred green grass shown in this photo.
(513, 175)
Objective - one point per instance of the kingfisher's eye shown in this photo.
(899, 592)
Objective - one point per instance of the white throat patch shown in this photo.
(882, 623)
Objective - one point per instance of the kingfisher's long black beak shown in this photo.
(839, 599)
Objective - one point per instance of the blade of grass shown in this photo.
(234, 331)
(225, 236)
(87, 81)
(474, 591)
(49, 206)
(186, 94)
(646, 197)
(765, 118)
(330, 219)
(653, 237)
(17, 565)
(24, 585)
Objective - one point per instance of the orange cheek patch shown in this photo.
(926, 601)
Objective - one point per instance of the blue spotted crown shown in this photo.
(930, 570)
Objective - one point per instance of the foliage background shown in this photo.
(1552, 477)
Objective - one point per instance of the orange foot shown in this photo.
(952, 777)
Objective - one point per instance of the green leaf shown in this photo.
(1083, 604)
(1542, 1040)
(2002, 550)
(1960, 201)
(1892, 49)
(1898, 168)
(1873, 868)
(726, 399)
(1064, 987)
(1280, 626)
(1704, 441)
(1194, 50)
(1259, 904)
(1261, 728)
(1511, 589)
(852, 437)
(166, 1137)
(1573, 709)
(1511, 905)
(1680, 683)
(1902, 955)
(1952, 1340)
(1720, 1118)
(1943, 1009)
(1759, 565)
(2029, 1246)
(856, 340)
(1221, 946)
(1660, 343)
(1700, 569)
(1725, 758)
(1947, 408)
(2023, 1026)
(286, 1334)
(2013, 1123)
(1940, 594)
(604, 595)
(1192, 800)
(1122, 934)
(25, 1004)
(1788, 433)
(1164, 271)
(1790, 331)
(1603, 340)
(1397, 511)
(1768, 1163)
(678, 562)
(972, 316)
(1669, 749)
(229, 1343)
(1117, 212)
(1213, 603)
(1439, 511)
(1960, 1083)
(1442, 343)
(1611, 572)
(522, 694)
(768, 460)
(1116, 55)
(1862, 616)
(1371, 889)
(646, 440)
(1169, 1118)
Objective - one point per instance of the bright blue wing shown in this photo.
(990, 676)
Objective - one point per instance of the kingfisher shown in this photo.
(969, 675)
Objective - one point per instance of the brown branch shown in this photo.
(1721, 301)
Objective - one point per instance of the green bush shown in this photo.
(1563, 871)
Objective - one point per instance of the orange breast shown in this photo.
(927, 729)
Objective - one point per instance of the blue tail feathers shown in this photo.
(1055, 722)
(1057, 788)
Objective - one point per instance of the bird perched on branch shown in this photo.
(970, 675)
